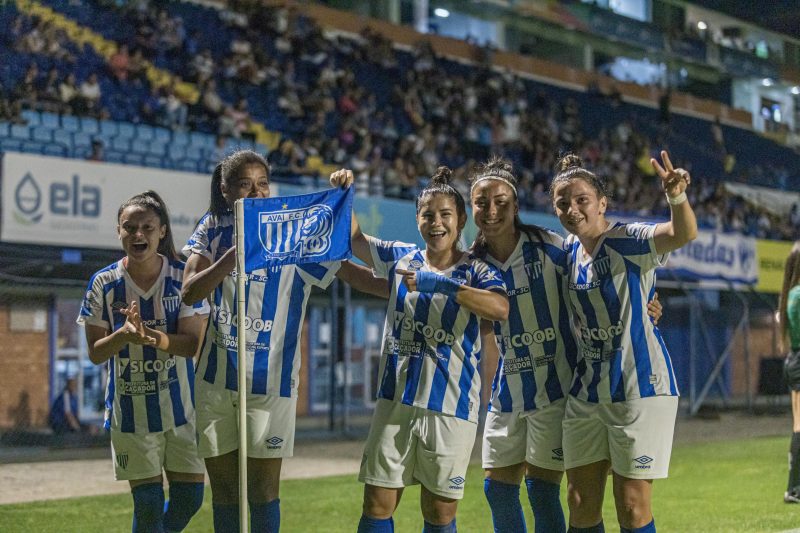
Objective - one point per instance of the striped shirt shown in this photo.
(537, 346)
(148, 390)
(276, 304)
(431, 344)
(622, 355)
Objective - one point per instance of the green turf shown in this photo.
(723, 487)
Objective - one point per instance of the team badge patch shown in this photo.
(295, 234)
(122, 460)
(171, 303)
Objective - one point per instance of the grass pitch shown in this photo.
(724, 487)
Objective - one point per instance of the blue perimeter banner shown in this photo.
(309, 228)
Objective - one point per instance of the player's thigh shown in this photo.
(263, 479)
(544, 446)
(137, 456)
(181, 456)
(390, 448)
(640, 435)
(584, 434)
(504, 441)
(223, 475)
(443, 453)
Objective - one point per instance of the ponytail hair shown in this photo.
(152, 201)
(500, 169)
(570, 167)
(440, 184)
(217, 206)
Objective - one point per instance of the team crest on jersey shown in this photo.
(295, 233)
(122, 460)
(533, 269)
(118, 306)
(171, 303)
(414, 264)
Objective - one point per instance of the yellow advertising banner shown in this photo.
(771, 260)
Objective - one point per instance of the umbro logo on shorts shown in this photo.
(457, 483)
(558, 454)
(644, 462)
(122, 460)
(273, 443)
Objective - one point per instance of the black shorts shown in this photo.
(791, 370)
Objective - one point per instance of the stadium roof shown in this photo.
(782, 16)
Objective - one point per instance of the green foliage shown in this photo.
(719, 487)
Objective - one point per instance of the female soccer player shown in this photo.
(790, 330)
(624, 397)
(276, 303)
(135, 320)
(536, 359)
(423, 429)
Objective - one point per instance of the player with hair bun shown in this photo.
(425, 420)
(276, 304)
(623, 401)
(136, 321)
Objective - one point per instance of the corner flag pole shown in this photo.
(241, 363)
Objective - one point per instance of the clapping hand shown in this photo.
(134, 329)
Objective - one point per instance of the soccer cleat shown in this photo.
(791, 497)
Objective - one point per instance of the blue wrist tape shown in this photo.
(432, 282)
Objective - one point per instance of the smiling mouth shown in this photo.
(492, 222)
(139, 246)
(436, 234)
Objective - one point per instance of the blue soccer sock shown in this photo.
(648, 528)
(503, 498)
(598, 528)
(226, 517)
(148, 508)
(185, 499)
(546, 505)
(265, 517)
(433, 528)
(375, 525)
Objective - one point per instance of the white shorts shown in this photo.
(635, 435)
(409, 445)
(270, 423)
(530, 436)
(145, 455)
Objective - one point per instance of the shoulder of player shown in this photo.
(106, 274)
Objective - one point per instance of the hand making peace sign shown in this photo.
(674, 180)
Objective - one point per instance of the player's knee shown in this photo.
(632, 512)
(148, 508)
(439, 512)
(185, 499)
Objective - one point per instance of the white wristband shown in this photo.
(676, 200)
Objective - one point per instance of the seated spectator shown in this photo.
(211, 100)
(67, 92)
(96, 153)
(88, 100)
(175, 111)
(64, 412)
(48, 89)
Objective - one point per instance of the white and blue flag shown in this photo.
(308, 228)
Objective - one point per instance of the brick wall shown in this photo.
(24, 375)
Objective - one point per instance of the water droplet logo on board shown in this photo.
(28, 199)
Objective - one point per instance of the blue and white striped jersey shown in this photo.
(537, 346)
(622, 355)
(276, 304)
(431, 344)
(148, 390)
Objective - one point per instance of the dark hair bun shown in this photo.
(496, 165)
(567, 162)
(441, 176)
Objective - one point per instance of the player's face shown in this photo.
(439, 223)
(494, 208)
(579, 209)
(252, 182)
(140, 230)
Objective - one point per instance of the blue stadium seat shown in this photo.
(120, 144)
(108, 127)
(10, 145)
(81, 139)
(176, 152)
(64, 138)
(51, 120)
(194, 152)
(5, 130)
(158, 149)
(89, 125)
(70, 123)
(145, 132)
(42, 134)
(139, 146)
(32, 147)
(153, 161)
(20, 131)
(189, 165)
(162, 135)
(133, 159)
(33, 118)
(180, 138)
(202, 140)
(114, 156)
(55, 150)
(126, 130)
